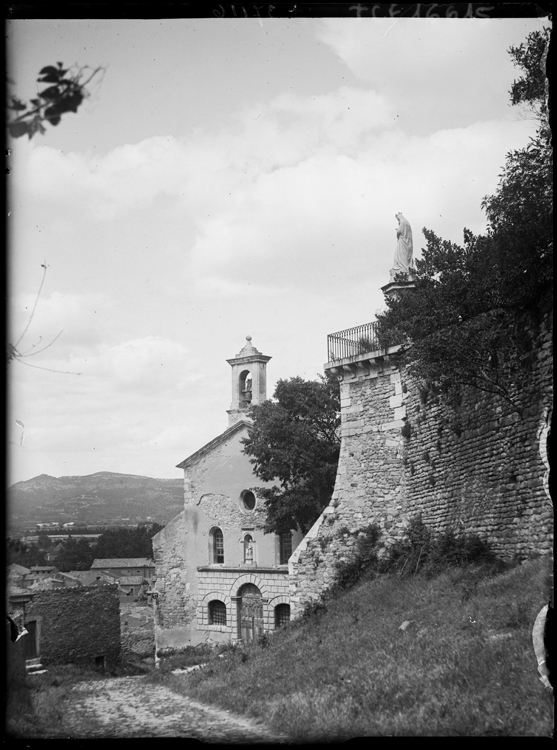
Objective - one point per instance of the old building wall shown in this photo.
(369, 486)
(78, 624)
(213, 487)
(483, 469)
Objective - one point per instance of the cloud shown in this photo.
(431, 91)
(76, 317)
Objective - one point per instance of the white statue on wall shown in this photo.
(404, 248)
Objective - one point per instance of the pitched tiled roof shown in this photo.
(131, 580)
(213, 444)
(123, 562)
(82, 575)
(15, 568)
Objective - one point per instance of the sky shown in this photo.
(227, 177)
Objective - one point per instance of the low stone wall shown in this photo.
(78, 624)
(139, 642)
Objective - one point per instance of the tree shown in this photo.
(461, 324)
(23, 554)
(531, 90)
(123, 542)
(44, 541)
(294, 441)
(75, 555)
(66, 93)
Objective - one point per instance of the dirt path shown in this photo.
(132, 707)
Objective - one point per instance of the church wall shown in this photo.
(212, 498)
(487, 475)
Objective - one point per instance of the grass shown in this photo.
(464, 667)
(37, 704)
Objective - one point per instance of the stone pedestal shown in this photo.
(394, 289)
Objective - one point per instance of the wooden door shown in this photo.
(251, 613)
(31, 640)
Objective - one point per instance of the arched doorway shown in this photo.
(250, 613)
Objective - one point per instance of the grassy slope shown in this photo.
(465, 666)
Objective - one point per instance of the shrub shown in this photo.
(421, 550)
(363, 561)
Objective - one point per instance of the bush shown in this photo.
(363, 562)
(421, 550)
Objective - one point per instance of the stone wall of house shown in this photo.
(175, 605)
(482, 469)
(77, 624)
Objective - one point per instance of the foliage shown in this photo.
(461, 324)
(422, 551)
(531, 89)
(65, 93)
(363, 559)
(76, 554)
(294, 441)
(44, 541)
(123, 542)
(23, 554)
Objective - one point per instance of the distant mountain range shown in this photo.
(95, 499)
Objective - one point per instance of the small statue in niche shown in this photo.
(403, 263)
(248, 553)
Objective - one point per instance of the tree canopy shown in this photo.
(294, 442)
(460, 323)
(121, 542)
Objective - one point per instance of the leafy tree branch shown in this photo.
(66, 93)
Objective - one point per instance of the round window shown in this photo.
(248, 499)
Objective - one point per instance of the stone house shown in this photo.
(125, 566)
(219, 576)
(132, 584)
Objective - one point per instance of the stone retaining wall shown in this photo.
(485, 472)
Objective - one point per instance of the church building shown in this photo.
(219, 577)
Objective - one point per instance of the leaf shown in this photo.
(50, 93)
(52, 114)
(49, 79)
(50, 69)
(17, 129)
(17, 105)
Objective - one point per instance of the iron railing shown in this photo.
(353, 341)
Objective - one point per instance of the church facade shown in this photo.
(219, 576)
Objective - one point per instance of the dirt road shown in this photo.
(132, 707)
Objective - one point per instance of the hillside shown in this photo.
(445, 656)
(94, 499)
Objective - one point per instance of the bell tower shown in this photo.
(249, 381)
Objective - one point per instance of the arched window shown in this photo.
(285, 547)
(218, 546)
(282, 615)
(217, 612)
